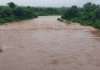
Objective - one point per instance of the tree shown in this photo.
(71, 13)
(11, 12)
(89, 14)
(11, 5)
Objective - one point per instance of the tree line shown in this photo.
(89, 14)
(44, 11)
(12, 12)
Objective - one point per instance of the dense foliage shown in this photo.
(89, 14)
(42, 11)
(12, 12)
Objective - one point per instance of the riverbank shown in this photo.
(83, 23)
(87, 15)
(41, 23)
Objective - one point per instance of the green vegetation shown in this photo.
(44, 11)
(89, 14)
(12, 12)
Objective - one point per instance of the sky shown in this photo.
(49, 3)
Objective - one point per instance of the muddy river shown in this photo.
(47, 44)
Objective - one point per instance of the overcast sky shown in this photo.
(49, 3)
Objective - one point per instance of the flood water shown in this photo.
(47, 44)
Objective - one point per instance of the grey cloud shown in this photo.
(49, 3)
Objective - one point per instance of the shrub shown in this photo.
(89, 14)
(2, 21)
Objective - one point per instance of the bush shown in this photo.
(60, 19)
(89, 15)
(2, 21)
(12, 12)
(97, 24)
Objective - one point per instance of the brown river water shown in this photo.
(47, 44)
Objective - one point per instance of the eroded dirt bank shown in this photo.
(47, 44)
